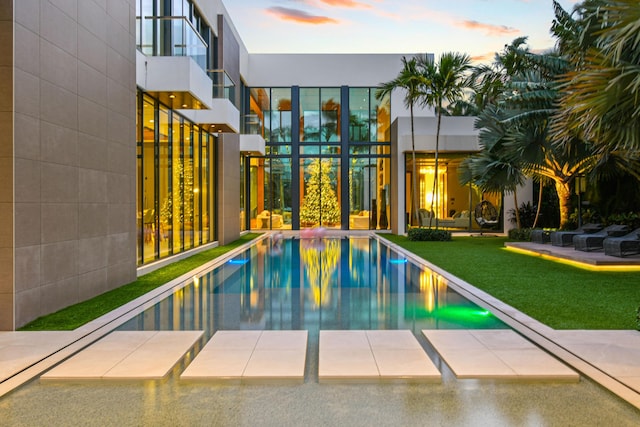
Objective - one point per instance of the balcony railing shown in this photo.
(251, 124)
(223, 86)
(170, 36)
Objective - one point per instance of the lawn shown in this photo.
(77, 315)
(558, 295)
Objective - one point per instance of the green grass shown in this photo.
(558, 295)
(78, 314)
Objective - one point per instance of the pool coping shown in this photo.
(535, 331)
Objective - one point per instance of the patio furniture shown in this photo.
(359, 221)
(565, 238)
(629, 244)
(457, 220)
(426, 218)
(268, 220)
(486, 214)
(594, 241)
(540, 236)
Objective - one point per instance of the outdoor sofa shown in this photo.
(629, 244)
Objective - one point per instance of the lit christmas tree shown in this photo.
(320, 201)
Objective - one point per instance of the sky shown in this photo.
(479, 28)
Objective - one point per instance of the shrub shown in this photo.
(527, 213)
(428, 234)
(520, 234)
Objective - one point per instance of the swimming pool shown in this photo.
(316, 284)
(388, 292)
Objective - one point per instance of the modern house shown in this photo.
(133, 132)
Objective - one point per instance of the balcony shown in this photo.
(170, 36)
(223, 86)
(171, 65)
(251, 140)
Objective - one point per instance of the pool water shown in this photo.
(351, 283)
(316, 284)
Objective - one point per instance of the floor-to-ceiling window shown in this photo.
(326, 164)
(369, 150)
(443, 201)
(175, 178)
(270, 178)
(320, 163)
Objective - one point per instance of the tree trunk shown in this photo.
(434, 193)
(515, 200)
(535, 221)
(564, 200)
(413, 173)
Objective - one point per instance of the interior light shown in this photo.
(184, 105)
(172, 96)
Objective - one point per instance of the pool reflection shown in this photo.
(313, 284)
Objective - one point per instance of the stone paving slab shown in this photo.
(614, 352)
(19, 350)
(127, 355)
(251, 356)
(373, 356)
(499, 354)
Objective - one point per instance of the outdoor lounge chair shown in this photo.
(540, 236)
(486, 214)
(594, 241)
(629, 244)
(565, 238)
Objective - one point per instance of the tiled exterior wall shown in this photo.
(6, 165)
(228, 188)
(74, 152)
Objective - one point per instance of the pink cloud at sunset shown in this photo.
(299, 16)
(346, 3)
(489, 29)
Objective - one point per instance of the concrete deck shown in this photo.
(365, 356)
(127, 355)
(251, 356)
(589, 259)
(20, 350)
(499, 354)
(610, 357)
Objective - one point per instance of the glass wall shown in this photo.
(444, 202)
(318, 170)
(270, 177)
(320, 196)
(172, 28)
(369, 150)
(175, 178)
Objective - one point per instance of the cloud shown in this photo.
(490, 29)
(300, 16)
(347, 3)
(483, 57)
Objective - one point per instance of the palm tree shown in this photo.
(445, 81)
(412, 82)
(601, 101)
(515, 129)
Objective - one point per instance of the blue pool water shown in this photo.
(319, 284)
(330, 284)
